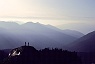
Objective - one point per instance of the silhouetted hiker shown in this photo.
(28, 43)
(25, 43)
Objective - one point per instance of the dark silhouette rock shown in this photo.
(29, 55)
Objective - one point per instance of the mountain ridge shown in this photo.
(37, 34)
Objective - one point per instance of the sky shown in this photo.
(54, 12)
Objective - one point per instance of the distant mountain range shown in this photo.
(39, 35)
(81, 27)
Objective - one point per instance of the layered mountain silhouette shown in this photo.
(85, 43)
(39, 35)
(29, 55)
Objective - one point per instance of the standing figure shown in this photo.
(25, 43)
(28, 43)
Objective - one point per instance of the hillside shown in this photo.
(29, 55)
(85, 43)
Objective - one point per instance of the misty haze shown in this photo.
(47, 31)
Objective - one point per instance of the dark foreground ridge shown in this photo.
(29, 55)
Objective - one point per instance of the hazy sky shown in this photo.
(54, 12)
